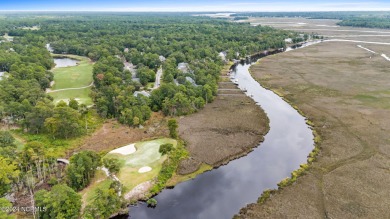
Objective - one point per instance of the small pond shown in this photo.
(65, 62)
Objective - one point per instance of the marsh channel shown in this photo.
(222, 192)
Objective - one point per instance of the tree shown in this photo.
(61, 202)
(4, 205)
(146, 75)
(207, 93)
(172, 126)
(112, 164)
(61, 104)
(8, 172)
(6, 139)
(64, 123)
(105, 203)
(82, 169)
(165, 148)
(74, 104)
(35, 119)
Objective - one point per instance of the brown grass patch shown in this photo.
(113, 134)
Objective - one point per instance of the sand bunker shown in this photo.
(144, 169)
(126, 150)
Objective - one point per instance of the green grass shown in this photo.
(81, 95)
(58, 146)
(366, 98)
(74, 76)
(19, 142)
(146, 155)
(99, 181)
(378, 99)
(130, 177)
(181, 178)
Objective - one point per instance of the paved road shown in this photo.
(356, 41)
(158, 78)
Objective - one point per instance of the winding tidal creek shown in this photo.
(222, 192)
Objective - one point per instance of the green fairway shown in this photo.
(147, 154)
(73, 77)
(81, 95)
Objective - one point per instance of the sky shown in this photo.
(193, 5)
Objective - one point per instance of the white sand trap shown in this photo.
(144, 169)
(126, 150)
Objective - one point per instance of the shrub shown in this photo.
(172, 125)
(152, 202)
(165, 148)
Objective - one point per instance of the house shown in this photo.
(183, 67)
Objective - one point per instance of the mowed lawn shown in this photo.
(146, 154)
(73, 76)
(81, 95)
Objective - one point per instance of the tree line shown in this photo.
(178, 38)
(194, 42)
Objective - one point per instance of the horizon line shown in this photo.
(198, 11)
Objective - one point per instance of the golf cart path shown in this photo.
(48, 90)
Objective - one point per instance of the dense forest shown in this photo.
(196, 41)
(374, 19)
(383, 23)
(150, 42)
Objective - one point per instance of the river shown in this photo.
(222, 192)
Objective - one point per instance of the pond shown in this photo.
(65, 62)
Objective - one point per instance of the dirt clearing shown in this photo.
(113, 135)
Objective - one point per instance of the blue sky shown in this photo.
(193, 5)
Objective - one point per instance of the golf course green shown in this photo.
(139, 163)
(73, 81)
